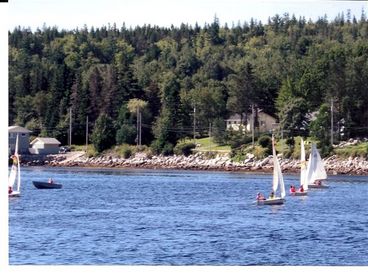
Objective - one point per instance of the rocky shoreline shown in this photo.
(198, 161)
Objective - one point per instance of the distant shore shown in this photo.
(333, 164)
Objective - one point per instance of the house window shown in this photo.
(23, 135)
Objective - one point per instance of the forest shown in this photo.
(106, 79)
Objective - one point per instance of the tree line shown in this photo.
(290, 68)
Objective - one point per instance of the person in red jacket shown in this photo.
(292, 189)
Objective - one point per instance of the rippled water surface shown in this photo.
(156, 217)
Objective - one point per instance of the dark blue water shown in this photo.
(149, 217)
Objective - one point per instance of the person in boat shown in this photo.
(301, 189)
(318, 182)
(260, 197)
(272, 195)
(292, 189)
(10, 190)
(51, 181)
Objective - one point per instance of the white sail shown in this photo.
(15, 169)
(12, 176)
(316, 169)
(278, 179)
(303, 167)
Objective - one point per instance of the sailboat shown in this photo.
(277, 182)
(14, 173)
(303, 172)
(316, 170)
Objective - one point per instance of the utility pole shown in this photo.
(86, 133)
(210, 134)
(332, 122)
(70, 127)
(140, 128)
(282, 142)
(137, 138)
(194, 125)
(253, 125)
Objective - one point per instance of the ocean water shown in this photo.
(170, 217)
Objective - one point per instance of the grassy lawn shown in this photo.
(353, 150)
(207, 144)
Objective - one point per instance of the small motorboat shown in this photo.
(46, 185)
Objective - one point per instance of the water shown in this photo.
(157, 217)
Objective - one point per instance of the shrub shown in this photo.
(126, 134)
(168, 149)
(184, 148)
(266, 143)
(125, 151)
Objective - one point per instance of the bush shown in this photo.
(184, 149)
(126, 134)
(266, 143)
(236, 139)
(127, 152)
(168, 149)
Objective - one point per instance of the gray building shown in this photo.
(45, 145)
(23, 144)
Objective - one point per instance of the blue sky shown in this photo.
(69, 14)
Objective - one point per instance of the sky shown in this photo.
(69, 14)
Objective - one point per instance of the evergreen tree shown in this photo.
(103, 135)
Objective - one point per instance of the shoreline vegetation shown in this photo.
(155, 86)
(198, 161)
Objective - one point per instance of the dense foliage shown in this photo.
(291, 68)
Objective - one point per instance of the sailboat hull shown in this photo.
(14, 194)
(274, 201)
(315, 186)
(299, 194)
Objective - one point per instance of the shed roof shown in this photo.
(46, 140)
(18, 129)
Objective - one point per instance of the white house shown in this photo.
(44, 145)
(23, 142)
(266, 122)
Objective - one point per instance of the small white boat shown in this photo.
(14, 173)
(278, 182)
(316, 170)
(14, 194)
(271, 201)
(318, 186)
(297, 193)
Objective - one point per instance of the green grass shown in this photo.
(91, 152)
(207, 144)
(359, 150)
